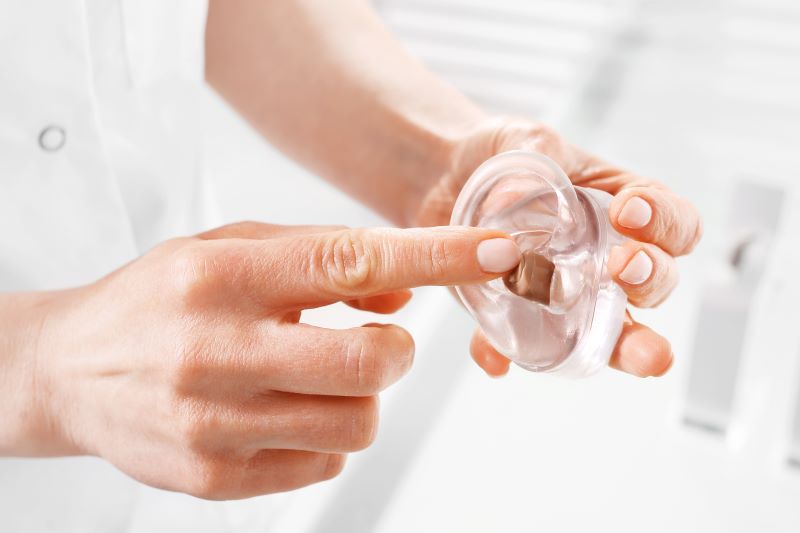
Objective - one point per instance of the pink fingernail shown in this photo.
(638, 269)
(635, 214)
(498, 255)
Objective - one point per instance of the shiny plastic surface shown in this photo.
(565, 314)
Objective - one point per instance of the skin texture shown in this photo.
(201, 377)
(189, 368)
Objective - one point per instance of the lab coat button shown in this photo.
(52, 138)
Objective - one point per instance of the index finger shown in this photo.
(311, 270)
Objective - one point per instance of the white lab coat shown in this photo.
(99, 160)
(98, 156)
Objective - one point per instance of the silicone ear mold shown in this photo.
(559, 311)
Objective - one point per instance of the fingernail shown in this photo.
(498, 255)
(635, 214)
(638, 269)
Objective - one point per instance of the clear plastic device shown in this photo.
(559, 311)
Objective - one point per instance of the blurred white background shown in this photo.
(700, 94)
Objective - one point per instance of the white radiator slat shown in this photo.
(473, 31)
(511, 55)
(534, 69)
(538, 55)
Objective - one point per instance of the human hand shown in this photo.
(660, 224)
(189, 368)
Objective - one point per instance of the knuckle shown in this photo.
(194, 425)
(664, 223)
(649, 298)
(545, 132)
(438, 259)
(242, 228)
(402, 356)
(544, 137)
(362, 423)
(378, 356)
(347, 262)
(246, 227)
(533, 135)
(194, 274)
(362, 364)
(659, 286)
(190, 367)
(678, 227)
(210, 477)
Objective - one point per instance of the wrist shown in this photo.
(30, 428)
(443, 152)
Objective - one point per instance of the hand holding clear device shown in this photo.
(559, 311)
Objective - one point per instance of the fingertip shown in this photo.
(667, 366)
(485, 356)
(334, 464)
(498, 255)
(402, 297)
(642, 352)
(494, 367)
(395, 349)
